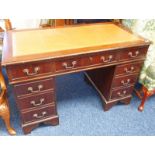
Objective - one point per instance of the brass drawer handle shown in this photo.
(108, 60)
(129, 71)
(91, 59)
(126, 83)
(27, 72)
(41, 116)
(30, 89)
(133, 56)
(123, 94)
(69, 67)
(37, 104)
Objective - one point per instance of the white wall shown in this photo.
(25, 23)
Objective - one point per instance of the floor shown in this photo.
(81, 113)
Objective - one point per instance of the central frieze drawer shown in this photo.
(31, 88)
(29, 70)
(100, 58)
(38, 114)
(36, 101)
(67, 64)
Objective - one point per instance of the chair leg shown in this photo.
(145, 96)
(5, 114)
(8, 126)
(138, 92)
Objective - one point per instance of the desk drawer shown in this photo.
(92, 59)
(99, 59)
(31, 88)
(128, 68)
(132, 53)
(36, 101)
(124, 81)
(29, 70)
(38, 114)
(67, 64)
(120, 93)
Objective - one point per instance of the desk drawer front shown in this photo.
(38, 114)
(124, 81)
(120, 93)
(36, 101)
(67, 64)
(31, 88)
(92, 59)
(128, 68)
(105, 58)
(29, 70)
(129, 54)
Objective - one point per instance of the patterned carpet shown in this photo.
(81, 113)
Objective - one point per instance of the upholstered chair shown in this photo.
(145, 28)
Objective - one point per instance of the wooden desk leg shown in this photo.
(5, 114)
(27, 128)
(126, 101)
(109, 105)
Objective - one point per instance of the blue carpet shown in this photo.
(81, 113)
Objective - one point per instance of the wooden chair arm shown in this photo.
(3, 87)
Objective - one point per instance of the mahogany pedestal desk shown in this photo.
(110, 56)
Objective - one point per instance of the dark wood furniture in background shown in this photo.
(110, 55)
(66, 22)
(1, 38)
(57, 23)
(63, 22)
(89, 21)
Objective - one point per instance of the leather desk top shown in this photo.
(22, 45)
